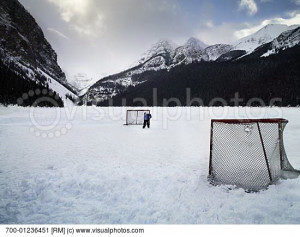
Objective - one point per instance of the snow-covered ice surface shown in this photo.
(101, 172)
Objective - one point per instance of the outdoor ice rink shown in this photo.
(79, 165)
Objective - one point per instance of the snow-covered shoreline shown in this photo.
(97, 171)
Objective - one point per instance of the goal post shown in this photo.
(135, 117)
(248, 153)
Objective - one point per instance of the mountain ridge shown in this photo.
(255, 81)
(265, 35)
(25, 50)
(162, 53)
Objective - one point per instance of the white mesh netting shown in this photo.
(248, 153)
(136, 117)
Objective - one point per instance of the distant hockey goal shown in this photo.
(135, 117)
(248, 153)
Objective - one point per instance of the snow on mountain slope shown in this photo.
(163, 50)
(163, 55)
(263, 36)
(81, 81)
(195, 43)
(191, 51)
(286, 40)
(24, 49)
(158, 57)
(215, 51)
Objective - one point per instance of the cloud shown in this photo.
(249, 5)
(107, 36)
(297, 2)
(80, 15)
(230, 32)
(250, 29)
(219, 34)
(58, 33)
(210, 24)
(92, 18)
(71, 8)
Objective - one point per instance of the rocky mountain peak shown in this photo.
(23, 41)
(265, 35)
(25, 50)
(195, 43)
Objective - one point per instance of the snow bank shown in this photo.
(95, 170)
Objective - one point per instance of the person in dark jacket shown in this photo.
(147, 118)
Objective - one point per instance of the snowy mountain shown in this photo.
(250, 46)
(284, 41)
(215, 51)
(166, 55)
(163, 55)
(25, 51)
(261, 37)
(195, 43)
(159, 55)
(191, 51)
(252, 76)
(81, 81)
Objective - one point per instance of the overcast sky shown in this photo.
(101, 37)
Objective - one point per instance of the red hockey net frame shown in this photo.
(136, 122)
(247, 152)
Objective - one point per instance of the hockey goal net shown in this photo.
(136, 117)
(248, 153)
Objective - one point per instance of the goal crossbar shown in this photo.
(233, 121)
